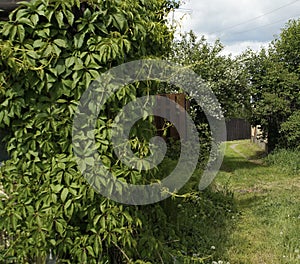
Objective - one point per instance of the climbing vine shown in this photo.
(51, 51)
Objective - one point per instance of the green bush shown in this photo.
(290, 131)
(51, 51)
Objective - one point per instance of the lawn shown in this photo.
(266, 227)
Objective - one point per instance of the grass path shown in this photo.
(255, 158)
(267, 225)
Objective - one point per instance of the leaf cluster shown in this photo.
(51, 51)
(274, 82)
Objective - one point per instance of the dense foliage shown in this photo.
(275, 87)
(221, 73)
(51, 51)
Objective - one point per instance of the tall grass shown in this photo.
(287, 160)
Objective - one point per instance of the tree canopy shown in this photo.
(275, 86)
(221, 73)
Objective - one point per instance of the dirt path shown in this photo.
(255, 161)
(233, 146)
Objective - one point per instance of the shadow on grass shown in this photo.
(251, 199)
(259, 154)
(231, 164)
(199, 227)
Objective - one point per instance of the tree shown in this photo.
(287, 46)
(275, 85)
(221, 73)
(291, 130)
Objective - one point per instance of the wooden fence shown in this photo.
(176, 112)
(237, 129)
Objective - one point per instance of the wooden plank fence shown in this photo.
(176, 112)
(237, 129)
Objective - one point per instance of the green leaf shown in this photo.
(59, 228)
(127, 44)
(64, 194)
(78, 40)
(34, 19)
(96, 219)
(25, 21)
(60, 68)
(43, 33)
(128, 216)
(21, 13)
(21, 32)
(1, 116)
(69, 61)
(70, 17)
(102, 28)
(38, 43)
(56, 188)
(6, 120)
(56, 49)
(88, 79)
(90, 250)
(83, 257)
(6, 29)
(33, 54)
(78, 65)
(68, 83)
(13, 33)
(60, 43)
(119, 21)
(68, 203)
(52, 242)
(97, 245)
(59, 18)
(103, 223)
(48, 51)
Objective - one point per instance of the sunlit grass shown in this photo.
(267, 226)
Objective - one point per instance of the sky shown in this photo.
(239, 24)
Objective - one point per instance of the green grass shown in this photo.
(267, 194)
(250, 214)
(287, 160)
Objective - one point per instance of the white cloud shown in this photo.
(238, 47)
(225, 20)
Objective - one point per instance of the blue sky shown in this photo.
(238, 24)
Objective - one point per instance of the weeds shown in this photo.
(287, 160)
